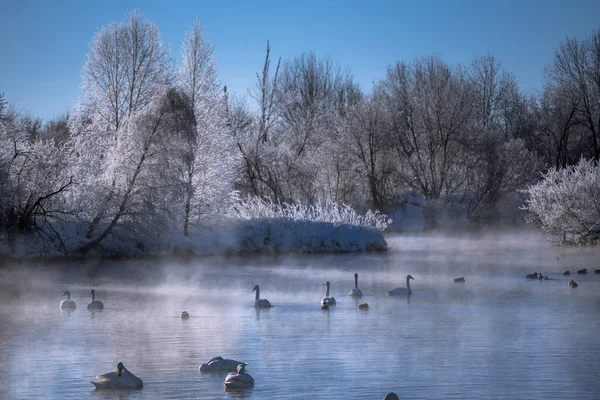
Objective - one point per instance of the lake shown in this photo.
(495, 336)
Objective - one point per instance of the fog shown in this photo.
(399, 344)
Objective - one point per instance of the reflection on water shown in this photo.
(497, 335)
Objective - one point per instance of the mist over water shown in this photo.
(498, 335)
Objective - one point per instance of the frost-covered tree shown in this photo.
(210, 160)
(144, 172)
(566, 202)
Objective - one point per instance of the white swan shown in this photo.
(219, 364)
(94, 304)
(68, 303)
(239, 380)
(402, 290)
(327, 301)
(119, 379)
(258, 302)
(356, 292)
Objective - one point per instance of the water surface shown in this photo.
(496, 336)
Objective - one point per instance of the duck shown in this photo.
(258, 302)
(239, 380)
(94, 304)
(567, 273)
(356, 292)
(399, 291)
(363, 307)
(119, 379)
(459, 280)
(532, 276)
(220, 364)
(573, 284)
(544, 278)
(185, 315)
(327, 301)
(582, 271)
(68, 303)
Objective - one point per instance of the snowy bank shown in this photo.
(278, 236)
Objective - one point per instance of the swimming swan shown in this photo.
(119, 379)
(258, 302)
(356, 292)
(94, 304)
(327, 301)
(68, 303)
(402, 290)
(219, 364)
(239, 380)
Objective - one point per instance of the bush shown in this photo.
(566, 203)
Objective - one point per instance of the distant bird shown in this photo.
(185, 315)
(459, 280)
(68, 303)
(239, 380)
(544, 278)
(399, 291)
(573, 284)
(363, 307)
(356, 292)
(220, 364)
(567, 273)
(258, 302)
(327, 301)
(391, 396)
(582, 271)
(532, 276)
(119, 379)
(597, 271)
(94, 304)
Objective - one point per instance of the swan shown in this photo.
(185, 315)
(327, 301)
(258, 302)
(532, 276)
(119, 379)
(94, 304)
(459, 280)
(220, 364)
(356, 292)
(567, 273)
(239, 380)
(402, 290)
(363, 307)
(391, 396)
(573, 284)
(68, 303)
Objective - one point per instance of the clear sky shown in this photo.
(43, 44)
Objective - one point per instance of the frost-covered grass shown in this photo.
(255, 208)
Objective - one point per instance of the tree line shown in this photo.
(155, 147)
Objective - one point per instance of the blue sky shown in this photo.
(43, 44)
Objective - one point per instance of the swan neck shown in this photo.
(408, 283)
(257, 294)
(355, 281)
(327, 291)
(93, 295)
(68, 296)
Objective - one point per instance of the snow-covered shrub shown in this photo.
(566, 203)
(252, 207)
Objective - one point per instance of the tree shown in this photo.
(210, 161)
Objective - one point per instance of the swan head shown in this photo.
(355, 276)
(68, 294)
(241, 369)
(255, 288)
(120, 367)
(327, 283)
(93, 293)
(409, 277)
